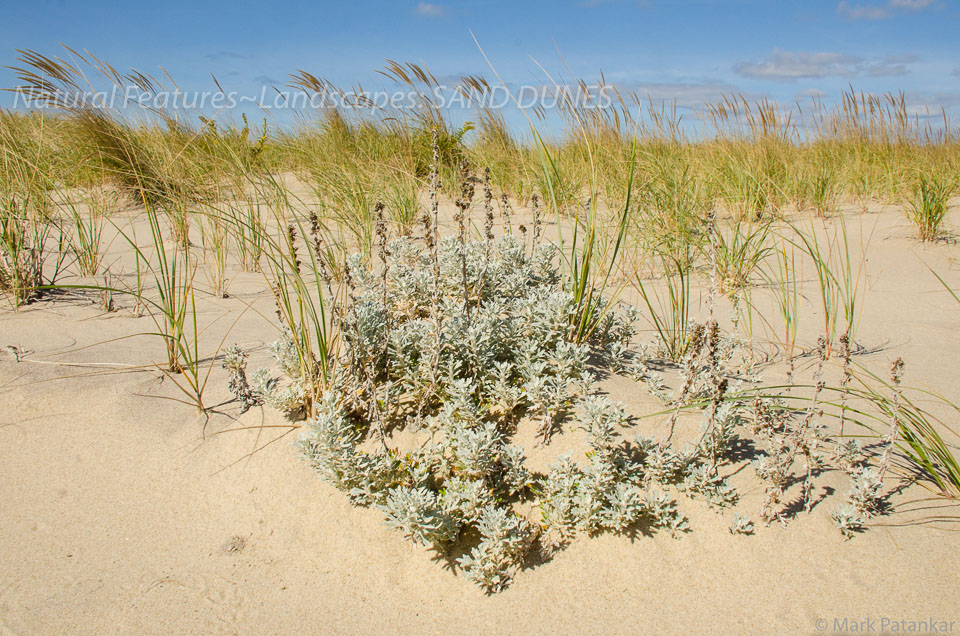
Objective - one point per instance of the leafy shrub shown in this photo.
(461, 344)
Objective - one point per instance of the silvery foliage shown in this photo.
(719, 438)
(284, 351)
(864, 500)
(504, 538)
(467, 498)
(461, 377)
(661, 462)
(704, 480)
(608, 492)
(287, 392)
(418, 513)
(865, 497)
(460, 354)
(286, 397)
(741, 525)
(866, 491)
(235, 363)
(848, 520)
(694, 469)
(618, 353)
(850, 456)
(332, 443)
(640, 371)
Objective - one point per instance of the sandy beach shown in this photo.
(124, 511)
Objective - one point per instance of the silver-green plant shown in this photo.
(412, 358)
(848, 520)
(235, 363)
(418, 514)
(505, 537)
(741, 525)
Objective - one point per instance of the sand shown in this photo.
(124, 511)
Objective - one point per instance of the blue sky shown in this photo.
(691, 50)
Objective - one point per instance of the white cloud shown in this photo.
(430, 10)
(787, 66)
(910, 5)
(889, 66)
(861, 12)
(880, 12)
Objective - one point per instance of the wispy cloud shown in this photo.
(787, 66)
(889, 66)
(911, 5)
(430, 10)
(686, 95)
(862, 12)
(931, 105)
(880, 12)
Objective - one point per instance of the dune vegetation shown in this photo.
(442, 292)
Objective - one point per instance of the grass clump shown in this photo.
(23, 242)
(927, 205)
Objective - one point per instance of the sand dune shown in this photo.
(124, 511)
